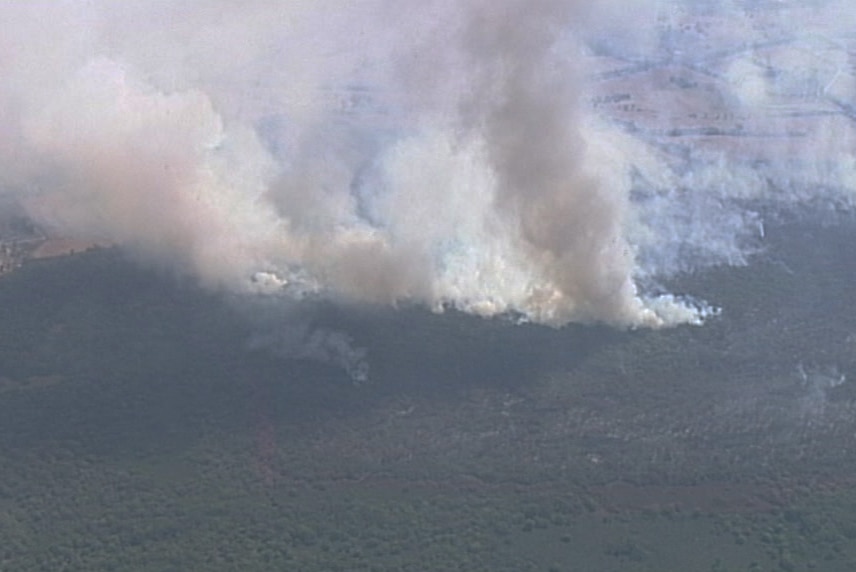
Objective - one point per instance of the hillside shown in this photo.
(142, 428)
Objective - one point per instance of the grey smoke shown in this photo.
(302, 341)
(439, 152)
(817, 382)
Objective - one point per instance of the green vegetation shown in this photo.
(139, 431)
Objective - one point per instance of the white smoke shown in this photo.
(439, 152)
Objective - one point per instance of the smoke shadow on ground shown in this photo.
(121, 361)
(115, 358)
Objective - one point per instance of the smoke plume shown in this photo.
(443, 153)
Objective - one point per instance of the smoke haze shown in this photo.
(452, 154)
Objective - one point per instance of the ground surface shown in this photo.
(140, 430)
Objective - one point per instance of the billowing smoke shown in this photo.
(447, 153)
